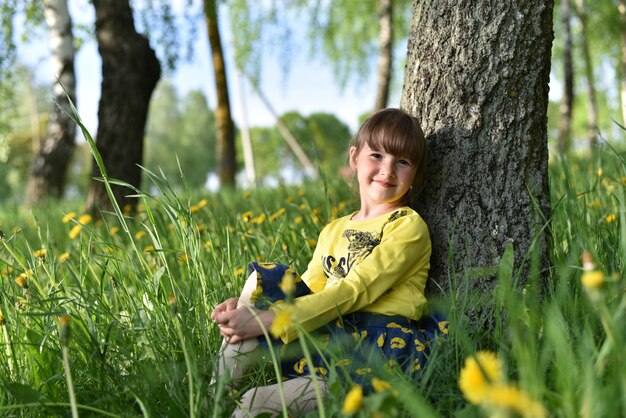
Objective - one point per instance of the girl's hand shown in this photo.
(227, 305)
(243, 323)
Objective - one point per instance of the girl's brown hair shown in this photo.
(397, 133)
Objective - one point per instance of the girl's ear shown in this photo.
(353, 155)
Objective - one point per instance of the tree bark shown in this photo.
(49, 167)
(565, 109)
(477, 78)
(226, 164)
(592, 107)
(385, 53)
(130, 71)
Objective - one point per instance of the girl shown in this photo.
(364, 286)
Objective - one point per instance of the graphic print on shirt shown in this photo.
(360, 245)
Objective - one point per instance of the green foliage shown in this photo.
(184, 129)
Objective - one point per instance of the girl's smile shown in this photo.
(384, 179)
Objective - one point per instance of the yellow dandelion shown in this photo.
(311, 243)
(611, 217)
(22, 281)
(282, 322)
(194, 208)
(258, 220)
(128, 208)
(288, 283)
(40, 253)
(2, 321)
(75, 231)
(508, 396)
(290, 199)
(140, 234)
(239, 271)
(183, 258)
(277, 214)
(298, 220)
(202, 203)
(64, 257)
(302, 206)
(353, 401)
(201, 228)
(148, 249)
(7, 271)
(246, 216)
(114, 230)
(600, 172)
(315, 219)
(208, 244)
(68, 217)
(84, 219)
(595, 203)
(478, 373)
(247, 194)
(592, 279)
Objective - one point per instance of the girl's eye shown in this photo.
(376, 155)
(404, 162)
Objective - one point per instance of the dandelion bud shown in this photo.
(592, 279)
(64, 330)
(587, 259)
(171, 300)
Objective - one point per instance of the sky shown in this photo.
(309, 87)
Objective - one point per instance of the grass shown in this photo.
(114, 321)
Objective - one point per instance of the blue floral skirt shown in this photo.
(358, 346)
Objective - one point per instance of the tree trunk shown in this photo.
(130, 71)
(477, 78)
(385, 52)
(224, 123)
(565, 109)
(49, 168)
(592, 122)
(622, 19)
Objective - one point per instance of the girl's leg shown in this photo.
(299, 393)
(235, 359)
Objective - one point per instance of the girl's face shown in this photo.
(383, 178)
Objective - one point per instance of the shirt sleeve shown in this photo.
(404, 250)
(314, 276)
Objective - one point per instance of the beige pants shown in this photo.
(236, 359)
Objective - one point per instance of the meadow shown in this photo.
(110, 316)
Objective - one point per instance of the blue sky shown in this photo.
(309, 87)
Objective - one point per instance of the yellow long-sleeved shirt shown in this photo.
(377, 265)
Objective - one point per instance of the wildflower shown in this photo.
(247, 194)
(127, 209)
(140, 234)
(148, 249)
(194, 208)
(201, 228)
(380, 385)
(171, 300)
(258, 220)
(75, 231)
(21, 281)
(208, 244)
(183, 258)
(281, 322)
(311, 243)
(353, 401)
(64, 257)
(610, 217)
(84, 219)
(600, 172)
(288, 283)
(64, 332)
(477, 374)
(114, 230)
(595, 203)
(298, 220)
(511, 397)
(202, 203)
(246, 216)
(2, 321)
(277, 214)
(6, 271)
(592, 279)
(41, 254)
(68, 217)
(239, 271)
